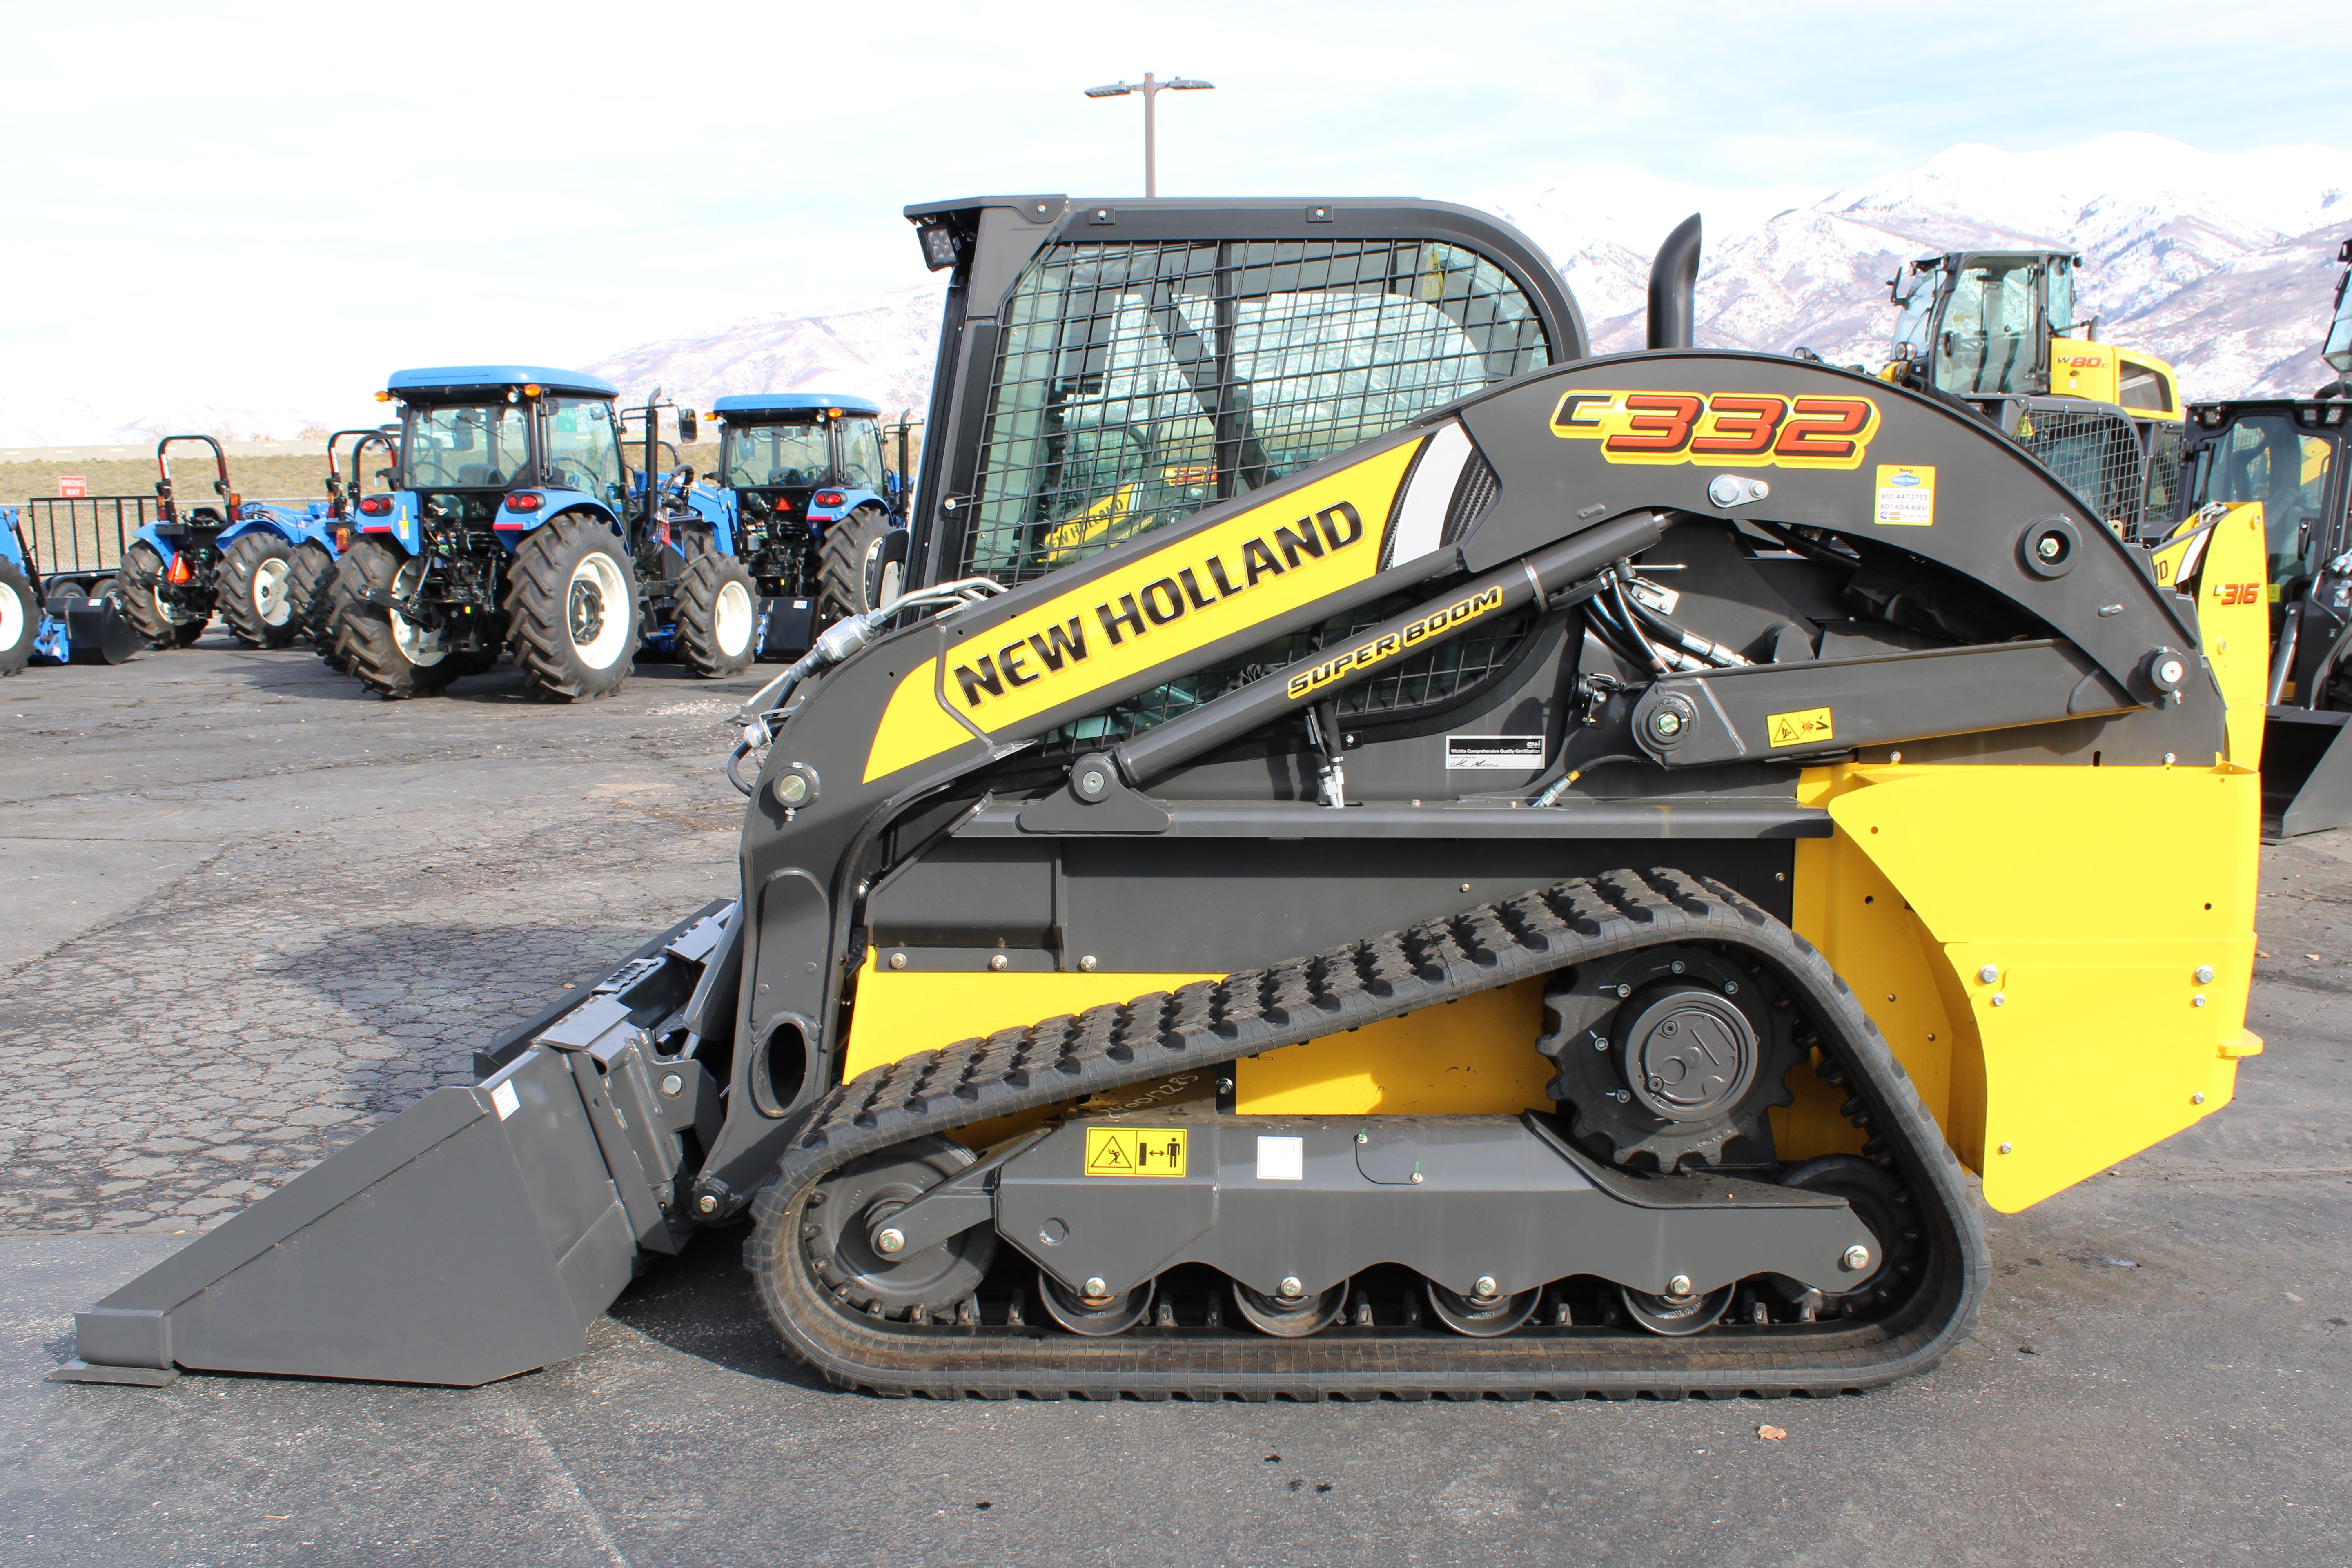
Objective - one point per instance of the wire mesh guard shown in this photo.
(1139, 382)
(2095, 452)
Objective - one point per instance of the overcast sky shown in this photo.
(217, 192)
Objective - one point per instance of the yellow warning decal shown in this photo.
(1135, 1151)
(1808, 726)
(1906, 494)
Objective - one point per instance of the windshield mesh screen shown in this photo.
(1136, 384)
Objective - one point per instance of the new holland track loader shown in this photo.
(2278, 465)
(1997, 331)
(1545, 880)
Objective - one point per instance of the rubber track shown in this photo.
(1376, 978)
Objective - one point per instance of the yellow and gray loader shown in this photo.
(1378, 853)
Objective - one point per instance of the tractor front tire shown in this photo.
(393, 656)
(20, 617)
(139, 591)
(718, 616)
(256, 598)
(571, 609)
(848, 573)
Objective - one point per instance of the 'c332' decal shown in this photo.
(1147, 612)
(1736, 429)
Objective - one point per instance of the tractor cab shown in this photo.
(475, 441)
(793, 464)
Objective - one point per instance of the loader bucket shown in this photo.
(475, 1236)
(2306, 772)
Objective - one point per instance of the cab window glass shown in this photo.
(777, 457)
(583, 447)
(861, 454)
(2263, 457)
(1989, 341)
(473, 446)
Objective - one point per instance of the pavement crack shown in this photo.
(523, 1428)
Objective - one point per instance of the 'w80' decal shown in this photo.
(1737, 429)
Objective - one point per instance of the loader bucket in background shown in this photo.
(2306, 772)
(475, 1236)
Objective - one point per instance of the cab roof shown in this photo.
(463, 377)
(748, 408)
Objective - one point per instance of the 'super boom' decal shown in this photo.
(1736, 429)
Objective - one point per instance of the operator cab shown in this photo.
(1982, 324)
(2337, 350)
(469, 434)
(795, 463)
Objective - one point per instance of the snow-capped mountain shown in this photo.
(2221, 263)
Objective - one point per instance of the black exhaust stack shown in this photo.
(1673, 288)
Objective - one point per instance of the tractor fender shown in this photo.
(293, 532)
(850, 502)
(513, 527)
(400, 524)
(716, 511)
(148, 535)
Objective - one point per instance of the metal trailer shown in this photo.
(1541, 879)
(67, 616)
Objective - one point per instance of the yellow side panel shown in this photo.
(1844, 905)
(899, 1014)
(2079, 368)
(914, 726)
(1164, 604)
(1471, 1057)
(2232, 588)
(2098, 1045)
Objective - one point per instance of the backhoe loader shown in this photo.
(1544, 879)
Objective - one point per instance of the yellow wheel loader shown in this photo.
(2277, 465)
(1507, 872)
(1995, 331)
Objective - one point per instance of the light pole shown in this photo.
(1153, 87)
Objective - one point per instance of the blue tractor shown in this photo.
(225, 556)
(805, 499)
(20, 603)
(318, 587)
(510, 525)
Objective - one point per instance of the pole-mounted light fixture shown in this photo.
(1151, 88)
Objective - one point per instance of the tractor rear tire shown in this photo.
(255, 598)
(20, 619)
(571, 609)
(847, 571)
(313, 591)
(718, 616)
(137, 590)
(394, 657)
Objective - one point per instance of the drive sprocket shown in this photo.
(844, 1211)
(1667, 1056)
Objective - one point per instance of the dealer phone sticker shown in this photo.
(1516, 754)
(1135, 1151)
(1906, 494)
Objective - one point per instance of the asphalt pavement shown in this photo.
(251, 913)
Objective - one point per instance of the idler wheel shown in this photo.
(1291, 1318)
(1115, 1315)
(1675, 1316)
(1481, 1319)
(847, 1211)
